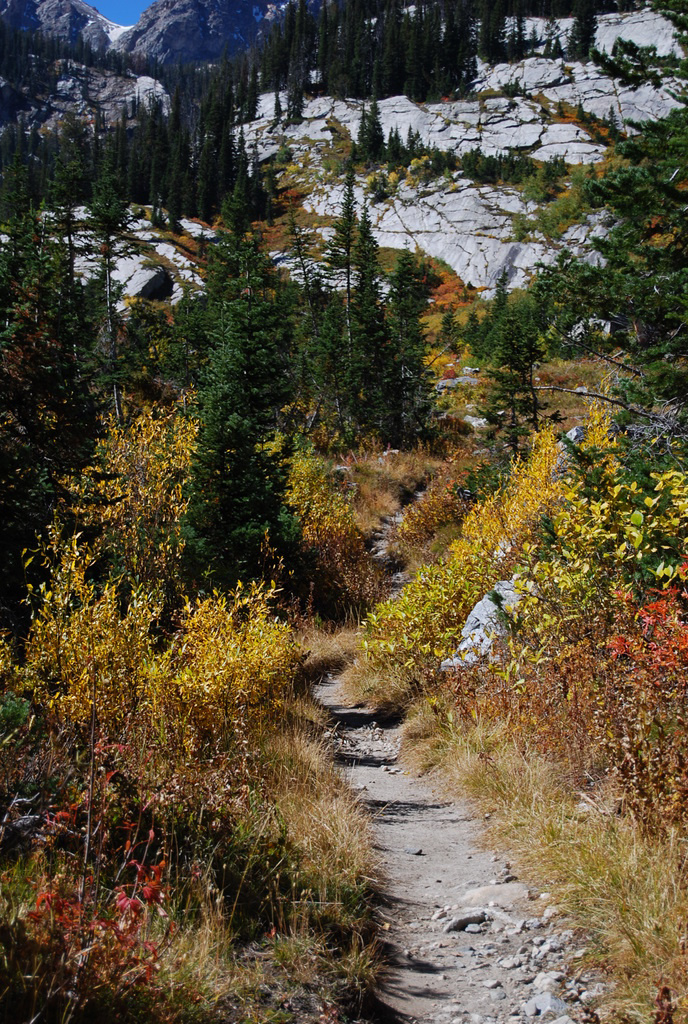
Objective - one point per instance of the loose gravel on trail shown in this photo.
(467, 941)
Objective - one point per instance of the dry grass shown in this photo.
(302, 879)
(329, 895)
(327, 651)
(627, 889)
(385, 481)
(200, 960)
(572, 374)
(387, 693)
(324, 820)
(433, 520)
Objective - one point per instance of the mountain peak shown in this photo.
(67, 19)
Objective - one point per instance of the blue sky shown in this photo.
(124, 12)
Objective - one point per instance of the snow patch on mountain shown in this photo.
(114, 31)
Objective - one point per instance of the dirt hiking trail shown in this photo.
(468, 943)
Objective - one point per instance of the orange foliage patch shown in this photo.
(450, 292)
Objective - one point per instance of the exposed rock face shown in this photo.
(469, 225)
(483, 625)
(64, 18)
(645, 28)
(173, 30)
(143, 281)
(155, 265)
(82, 91)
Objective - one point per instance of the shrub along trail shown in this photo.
(465, 940)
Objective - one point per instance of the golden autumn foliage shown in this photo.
(133, 496)
(230, 664)
(592, 669)
(344, 575)
(427, 618)
(82, 643)
(603, 545)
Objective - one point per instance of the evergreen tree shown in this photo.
(514, 404)
(367, 369)
(340, 249)
(48, 415)
(239, 475)
(371, 140)
(582, 37)
(492, 41)
(408, 388)
(108, 220)
(641, 285)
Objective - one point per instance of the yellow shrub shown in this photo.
(612, 539)
(82, 645)
(589, 674)
(230, 666)
(430, 613)
(134, 494)
(345, 573)
(230, 663)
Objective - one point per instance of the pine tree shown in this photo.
(48, 415)
(371, 140)
(514, 404)
(492, 41)
(582, 37)
(238, 473)
(340, 249)
(108, 220)
(408, 397)
(366, 370)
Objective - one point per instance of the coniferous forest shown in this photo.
(316, 465)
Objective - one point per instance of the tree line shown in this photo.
(193, 158)
(370, 48)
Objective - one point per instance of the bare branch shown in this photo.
(604, 398)
(601, 355)
(439, 354)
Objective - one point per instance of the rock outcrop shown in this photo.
(82, 91)
(484, 624)
(155, 267)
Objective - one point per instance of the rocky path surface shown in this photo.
(467, 942)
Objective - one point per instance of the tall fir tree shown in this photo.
(339, 252)
(239, 473)
(108, 220)
(408, 386)
(515, 405)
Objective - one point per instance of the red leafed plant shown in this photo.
(87, 951)
(649, 734)
(660, 644)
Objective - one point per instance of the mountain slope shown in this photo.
(66, 19)
(167, 31)
(184, 30)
